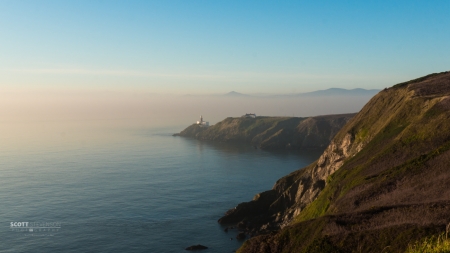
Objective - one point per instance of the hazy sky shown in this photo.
(192, 47)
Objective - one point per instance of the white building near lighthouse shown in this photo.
(202, 123)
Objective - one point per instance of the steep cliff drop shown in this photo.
(381, 184)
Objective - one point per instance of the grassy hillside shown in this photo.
(273, 132)
(433, 244)
(387, 183)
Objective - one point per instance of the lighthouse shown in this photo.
(202, 123)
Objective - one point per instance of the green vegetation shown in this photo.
(362, 134)
(433, 244)
(381, 147)
(391, 192)
(317, 208)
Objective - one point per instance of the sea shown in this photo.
(101, 188)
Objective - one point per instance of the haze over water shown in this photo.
(105, 166)
(127, 189)
(133, 107)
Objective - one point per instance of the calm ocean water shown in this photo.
(127, 189)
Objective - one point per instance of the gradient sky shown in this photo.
(181, 47)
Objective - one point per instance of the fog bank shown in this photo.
(162, 110)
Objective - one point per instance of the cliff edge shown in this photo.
(381, 183)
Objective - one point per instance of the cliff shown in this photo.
(381, 184)
(273, 132)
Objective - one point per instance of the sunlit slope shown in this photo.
(382, 183)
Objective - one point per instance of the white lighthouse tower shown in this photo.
(202, 123)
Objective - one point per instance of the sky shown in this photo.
(135, 62)
(206, 47)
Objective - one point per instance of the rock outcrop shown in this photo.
(196, 247)
(273, 132)
(380, 184)
(276, 208)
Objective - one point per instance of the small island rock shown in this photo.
(196, 247)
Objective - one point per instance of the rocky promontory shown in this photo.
(273, 132)
(380, 185)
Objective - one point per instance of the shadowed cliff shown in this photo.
(381, 184)
(273, 132)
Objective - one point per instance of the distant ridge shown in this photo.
(235, 94)
(328, 92)
(340, 92)
(317, 93)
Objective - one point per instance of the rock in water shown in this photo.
(196, 247)
(241, 236)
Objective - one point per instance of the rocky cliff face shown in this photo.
(273, 132)
(380, 184)
(276, 208)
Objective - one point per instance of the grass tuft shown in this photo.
(434, 244)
